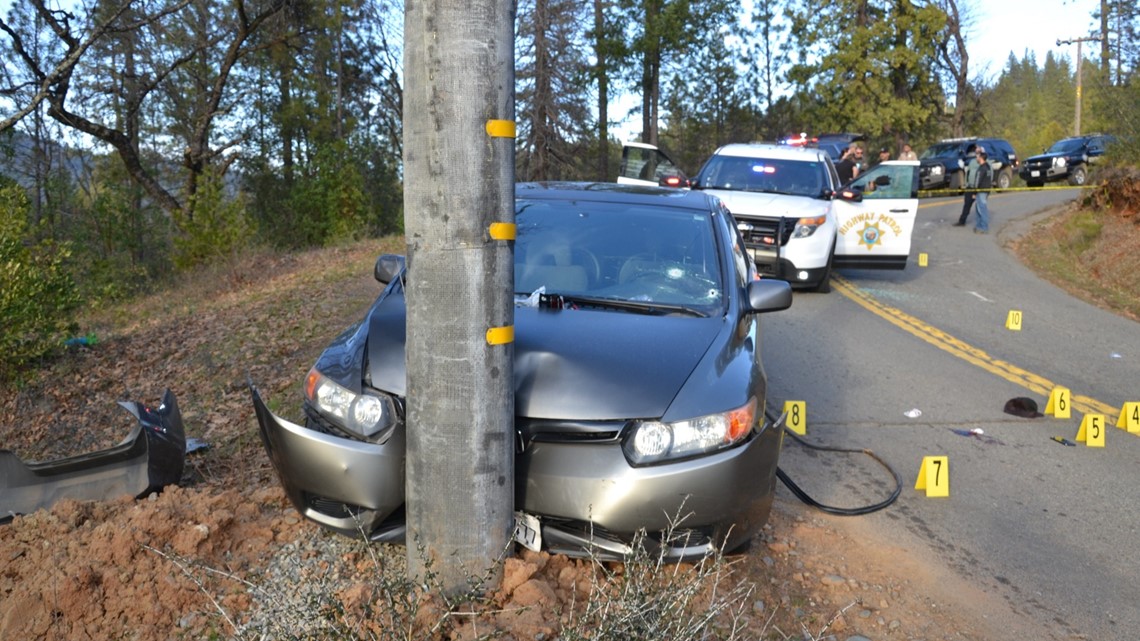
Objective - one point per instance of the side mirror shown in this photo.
(767, 295)
(388, 267)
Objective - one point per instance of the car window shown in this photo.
(769, 175)
(939, 150)
(646, 164)
(899, 181)
(619, 252)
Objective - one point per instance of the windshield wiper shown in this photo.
(642, 306)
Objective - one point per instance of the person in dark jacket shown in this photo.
(985, 181)
(846, 167)
(971, 182)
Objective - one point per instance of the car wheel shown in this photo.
(824, 284)
(1078, 176)
(957, 179)
(1004, 179)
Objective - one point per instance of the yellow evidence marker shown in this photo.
(1013, 320)
(934, 476)
(1058, 404)
(1092, 430)
(1129, 417)
(797, 416)
(923, 261)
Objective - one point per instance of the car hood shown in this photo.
(572, 364)
(1056, 154)
(746, 203)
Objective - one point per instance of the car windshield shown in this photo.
(647, 258)
(768, 175)
(1066, 145)
(940, 149)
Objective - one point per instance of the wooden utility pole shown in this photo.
(1077, 119)
(459, 223)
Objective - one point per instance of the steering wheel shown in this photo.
(587, 259)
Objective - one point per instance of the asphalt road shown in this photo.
(1049, 528)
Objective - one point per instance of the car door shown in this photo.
(643, 164)
(875, 216)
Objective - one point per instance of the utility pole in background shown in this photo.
(459, 223)
(1077, 120)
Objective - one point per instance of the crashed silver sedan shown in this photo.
(639, 387)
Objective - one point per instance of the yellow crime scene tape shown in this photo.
(931, 193)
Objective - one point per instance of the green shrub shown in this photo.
(215, 226)
(38, 294)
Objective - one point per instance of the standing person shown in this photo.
(846, 167)
(907, 153)
(884, 155)
(971, 183)
(860, 161)
(985, 180)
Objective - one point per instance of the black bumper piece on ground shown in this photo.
(150, 458)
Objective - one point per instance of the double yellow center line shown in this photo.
(963, 350)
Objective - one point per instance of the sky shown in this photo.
(1004, 26)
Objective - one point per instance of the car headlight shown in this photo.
(1059, 161)
(806, 226)
(936, 170)
(366, 415)
(650, 442)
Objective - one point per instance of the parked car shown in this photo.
(639, 388)
(1067, 159)
(943, 164)
(798, 222)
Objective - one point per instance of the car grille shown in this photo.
(1040, 164)
(335, 509)
(764, 231)
(530, 430)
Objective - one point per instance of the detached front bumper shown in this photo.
(150, 458)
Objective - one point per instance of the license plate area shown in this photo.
(528, 531)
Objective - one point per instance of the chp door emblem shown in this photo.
(870, 236)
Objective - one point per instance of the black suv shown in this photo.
(1067, 158)
(943, 164)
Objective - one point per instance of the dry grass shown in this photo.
(1089, 253)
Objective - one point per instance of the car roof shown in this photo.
(768, 150)
(615, 192)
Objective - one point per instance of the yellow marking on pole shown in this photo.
(501, 335)
(501, 128)
(934, 476)
(503, 231)
(1013, 320)
(1092, 430)
(961, 349)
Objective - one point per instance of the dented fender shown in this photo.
(151, 457)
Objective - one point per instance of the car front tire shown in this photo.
(824, 284)
(1078, 176)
